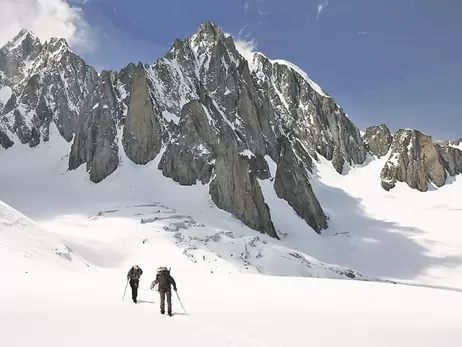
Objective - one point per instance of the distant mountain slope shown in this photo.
(213, 117)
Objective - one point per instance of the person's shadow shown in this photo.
(145, 302)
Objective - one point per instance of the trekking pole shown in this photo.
(123, 297)
(180, 302)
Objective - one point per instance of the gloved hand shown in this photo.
(174, 289)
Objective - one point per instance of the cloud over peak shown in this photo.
(46, 18)
(246, 48)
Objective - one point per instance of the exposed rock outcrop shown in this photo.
(452, 143)
(451, 156)
(378, 139)
(96, 141)
(414, 160)
(303, 111)
(292, 184)
(49, 83)
(235, 189)
(5, 141)
(142, 134)
(16, 56)
(191, 155)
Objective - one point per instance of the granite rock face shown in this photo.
(5, 141)
(292, 184)
(414, 160)
(191, 155)
(301, 110)
(96, 141)
(143, 130)
(235, 189)
(46, 84)
(378, 139)
(451, 156)
(16, 56)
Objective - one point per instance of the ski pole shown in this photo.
(180, 301)
(123, 297)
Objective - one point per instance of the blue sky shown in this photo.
(397, 62)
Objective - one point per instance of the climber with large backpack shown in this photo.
(164, 281)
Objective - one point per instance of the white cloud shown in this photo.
(249, 3)
(241, 31)
(263, 13)
(46, 18)
(246, 48)
(321, 7)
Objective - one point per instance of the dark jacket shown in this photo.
(134, 274)
(165, 281)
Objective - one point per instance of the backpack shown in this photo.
(135, 274)
(165, 280)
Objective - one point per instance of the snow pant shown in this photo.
(134, 285)
(167, 294)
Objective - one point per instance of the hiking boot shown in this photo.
(162, 312)
(170, 314)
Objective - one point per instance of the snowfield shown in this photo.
(65, 267)
(22, 241)
(238, 310)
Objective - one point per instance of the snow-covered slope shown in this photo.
(142, 199)
(225, 303)
(24, 245)
(238, 287)
(233, 310)
(403, 234)
(222, 307)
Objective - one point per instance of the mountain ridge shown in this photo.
(214, 117)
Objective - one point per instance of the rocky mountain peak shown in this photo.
(56, 45)
(23, 38)
(55, 54)
(43, 84)
(212, 47)
(17, 55)
(208, 32)
(23, 32)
